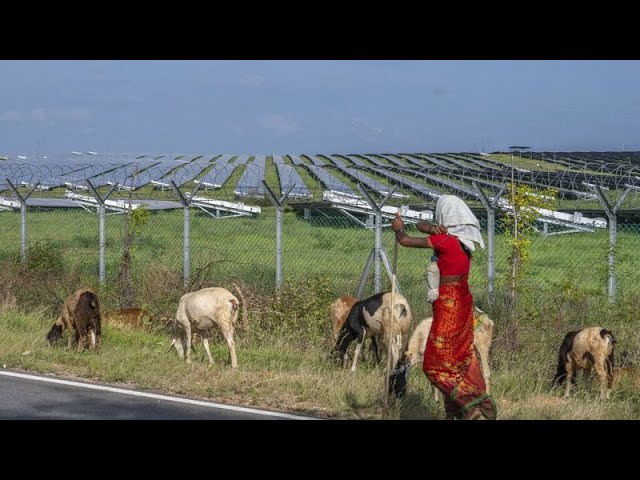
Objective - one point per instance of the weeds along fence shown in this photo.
(272, 227)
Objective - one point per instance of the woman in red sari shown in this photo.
(450, 359)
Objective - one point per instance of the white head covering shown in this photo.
(460, 221)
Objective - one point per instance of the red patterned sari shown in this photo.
(450, 359)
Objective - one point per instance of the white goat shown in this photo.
(199, 312)
(585, 349)
(414, 353)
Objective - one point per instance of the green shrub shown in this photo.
(44, 257)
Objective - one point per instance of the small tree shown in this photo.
(133, 222)
(525, 210)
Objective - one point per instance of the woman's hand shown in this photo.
(437, 229)
(397, 223)
(431, 229)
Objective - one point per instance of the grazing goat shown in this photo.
(586, 349)
(414, 353)
(339, 311)
(198, 312)
(133, 317)
(372, 316)
(81, 317)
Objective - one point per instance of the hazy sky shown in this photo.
(317, 106)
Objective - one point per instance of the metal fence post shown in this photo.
(378, 252)
(102, 213)
(279, 205)
(490, 205)
(102, 243)
(377, 281)
(23, 232)
(279, 250)
(186, 246)
(613, 235)
(186, 253)
(23, 217)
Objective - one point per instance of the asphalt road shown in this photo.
(34, 397)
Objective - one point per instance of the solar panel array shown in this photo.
(428, 175)
(52, 170)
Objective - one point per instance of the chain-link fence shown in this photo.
(254, 224)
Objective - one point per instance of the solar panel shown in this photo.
(218, 175)
(241, 160)
(464, 165)
(360, 177)
(329, 181)
(130, 177)
(415, 186)
(290, 178)
(223, 159)
(183, 174)
(451, 185)
(374, 160)
(482, 161)
(394, 160)
(250, 183)
(315, 160)
(358, 161)
(296, 160)
(436, 161)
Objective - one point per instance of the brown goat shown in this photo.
(133, 317)
(81, 318)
